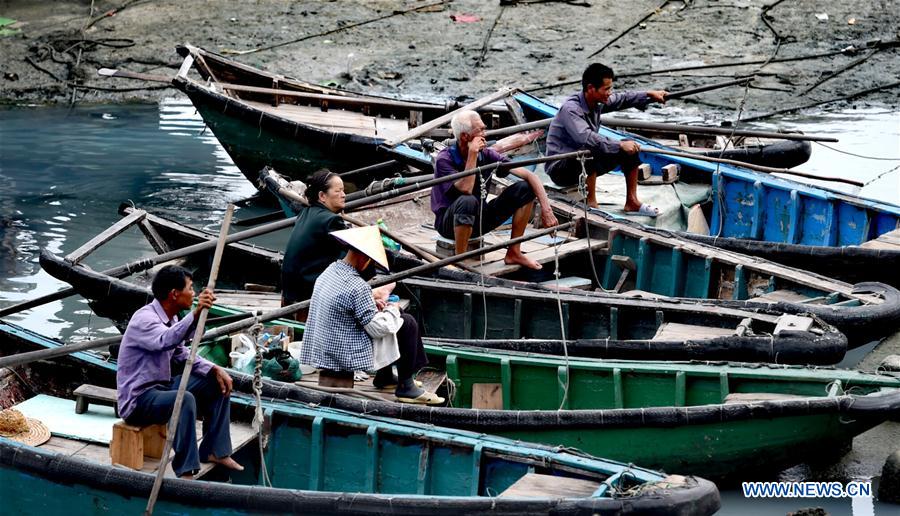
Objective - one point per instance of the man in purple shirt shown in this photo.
(146, 389)
(575, 127)
(459, 210)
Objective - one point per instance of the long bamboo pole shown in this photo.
(188, 367)
(147, 263)
(31, 356)
(759, 168)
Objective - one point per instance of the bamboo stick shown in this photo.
(186, 374)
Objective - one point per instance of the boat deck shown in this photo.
(431, 381)
(889, 241)
(336, 120)
(87, 436)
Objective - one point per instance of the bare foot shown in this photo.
(228, 462)
(187, 476)
(592, 203)
(521, 259)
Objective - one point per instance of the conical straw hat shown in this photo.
(26, 430)
(367, 240)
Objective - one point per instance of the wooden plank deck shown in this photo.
(431, 381)
(889, 241)
(241, 435)
(337, 120)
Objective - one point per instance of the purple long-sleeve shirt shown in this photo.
(149, 345)
(575, 126)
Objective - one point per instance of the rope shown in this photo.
(720, 193)
(879, 176)
(582, 189)
(482, 201)
(857, 155)
(562, 324)
(258, 416)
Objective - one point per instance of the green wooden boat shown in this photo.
(319, 461)
(714, 419)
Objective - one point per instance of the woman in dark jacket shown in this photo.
(310, 250)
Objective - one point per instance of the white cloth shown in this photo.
(383, 330)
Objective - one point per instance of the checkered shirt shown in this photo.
(341, 305)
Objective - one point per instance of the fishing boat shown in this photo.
(264, 118)
(318, 460)
(719, 420)
(630, 256)
(626, 259)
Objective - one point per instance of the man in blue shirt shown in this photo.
(575, 127)
(459, 211)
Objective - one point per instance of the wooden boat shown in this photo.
(264, 118)
(319, 461)
(773, 217)
(627, 255)
(663, 266)
(718, 420)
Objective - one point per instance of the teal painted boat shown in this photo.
(318, 460)
(714, 419)
(690, 272)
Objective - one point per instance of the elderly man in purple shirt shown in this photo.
(575, 127)
(146, 389)
(459, 211)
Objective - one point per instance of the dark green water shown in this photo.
(64, 173)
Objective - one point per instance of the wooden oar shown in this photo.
(44, 354)
(125, 74)
(760, 168)
(188, 367)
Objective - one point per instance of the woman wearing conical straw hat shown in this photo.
(343, 321)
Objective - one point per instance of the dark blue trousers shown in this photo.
(204, 394)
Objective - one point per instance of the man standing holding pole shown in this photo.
(575, 128)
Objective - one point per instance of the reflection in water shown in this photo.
(66, 172)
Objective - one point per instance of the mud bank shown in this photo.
(436, 54)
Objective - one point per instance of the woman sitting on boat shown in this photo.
(310, 250)
(343, 321)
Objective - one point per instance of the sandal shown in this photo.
(426, 398)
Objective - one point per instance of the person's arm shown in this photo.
(467, 184)
(181, 354)
(580, 131)
(635, 99)
(548, 219)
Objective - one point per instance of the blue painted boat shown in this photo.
(797, 224)
(319, 461)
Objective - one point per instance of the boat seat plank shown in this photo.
(788, 296)
(545, 255)
(678, 331)
(889, 241)
(536, 485)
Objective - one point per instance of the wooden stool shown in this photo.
(87, 394)
(445, 248)
(343, 379)
(131, 443)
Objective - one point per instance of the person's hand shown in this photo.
(204, 300)
(548, 219)
(380, 295)
(477, 145)
(224, 380)
(658, 96)
(380, 304)
(629, 147)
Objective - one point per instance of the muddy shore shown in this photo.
(435, 53)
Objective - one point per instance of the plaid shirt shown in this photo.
(340, 307)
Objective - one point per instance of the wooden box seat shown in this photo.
(130, 444)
